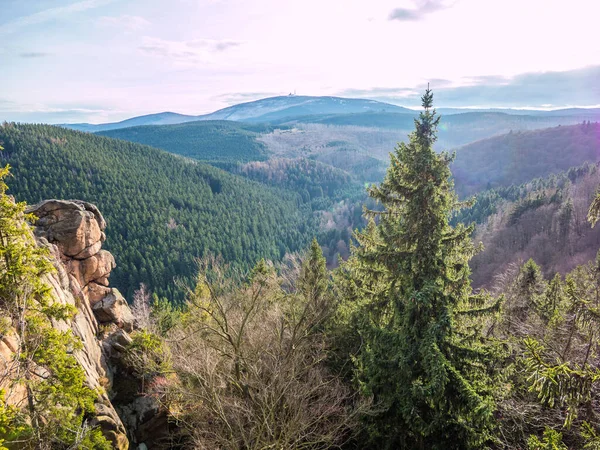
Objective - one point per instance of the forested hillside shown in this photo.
(202, 140)
(336, 197)
(163, 211)
(518, 157)
(545, 219)
(309, 178)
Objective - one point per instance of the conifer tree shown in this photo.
(420, 353)
(314, 278)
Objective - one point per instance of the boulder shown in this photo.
(73, 226)
(112, 428)
(95, 292)
(119, 340)
(95, 268)
(114, 309)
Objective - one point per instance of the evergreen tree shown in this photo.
(313, 282)
(420, 351)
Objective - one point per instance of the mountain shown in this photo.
(517, 157)
(163, 211)
(324, 109)
(264, 110)
(277, 108)
(213, 140)
(164, 118)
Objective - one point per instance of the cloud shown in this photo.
(193, 51)
(424, 7)
(34, 54)
(125, 22)
(50, 14)
(57, 113)
(577, 87)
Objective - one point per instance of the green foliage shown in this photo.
(162, 211)
(44, 367)
(551, 329)
(591, 436)
(207, 140)
(552, 440)
(164, 314)
(423, 358)
(313, 281)
(147, 355)
(13, 423)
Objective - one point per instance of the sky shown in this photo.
(64, 61)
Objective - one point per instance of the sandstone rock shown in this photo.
(113, 308)
(119, 340)
(73, 225)
(95, 292)
(94, 268)
(89, 251)
(102, 281)
(73, 232)
(111, 425)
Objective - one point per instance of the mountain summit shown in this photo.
(263, 110)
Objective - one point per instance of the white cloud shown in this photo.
(50, 14)
(125, 22)
(423, 8)
(189, 52)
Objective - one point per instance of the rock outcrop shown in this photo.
(74, 232)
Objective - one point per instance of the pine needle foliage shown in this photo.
(419, 353)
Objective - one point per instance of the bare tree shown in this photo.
(141, 308)
(249, 364)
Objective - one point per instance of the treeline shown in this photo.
(162, 211)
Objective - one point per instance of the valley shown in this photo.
(307, 172)
(209, 221)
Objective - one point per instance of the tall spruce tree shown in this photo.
(419, 349)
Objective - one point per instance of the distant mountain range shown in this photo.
(265, 110)
(333, 110)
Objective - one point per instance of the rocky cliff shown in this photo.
(73, 231)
